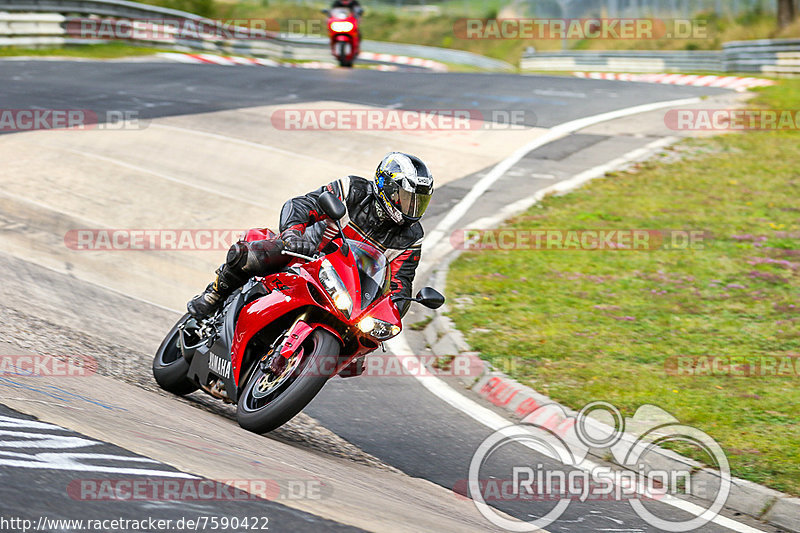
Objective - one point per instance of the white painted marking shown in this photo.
(455, 399)
(556, 132)
(239, 198)
(236, 140)
(182, 58)
(495, 422)
(65, 460)
(569, 184)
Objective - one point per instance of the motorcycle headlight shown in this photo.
(335, 288)
(379, 329)
(342, 26)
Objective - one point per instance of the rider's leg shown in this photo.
(244, 260)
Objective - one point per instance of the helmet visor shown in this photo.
(413, 204)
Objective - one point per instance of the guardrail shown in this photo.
(769, 56)
(28, 23)
(774, 57)
(624, 61)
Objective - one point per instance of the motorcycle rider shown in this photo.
(352, 5)
(384, 212)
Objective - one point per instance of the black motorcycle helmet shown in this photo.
(404, 186)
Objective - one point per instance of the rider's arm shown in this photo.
(301, 211)
(403, 269)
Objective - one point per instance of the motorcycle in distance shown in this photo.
(344, 34)
(276, 341)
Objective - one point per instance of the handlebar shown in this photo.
(301, 256)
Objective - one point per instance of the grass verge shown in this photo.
(603, 325)
(96, 51)
(387, 23)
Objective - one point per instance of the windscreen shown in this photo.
(340, 13)
(373, 271)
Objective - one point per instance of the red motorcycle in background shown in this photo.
(277, 341)
(344, 34)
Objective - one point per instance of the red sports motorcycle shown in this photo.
(343, 31)
(276, 341)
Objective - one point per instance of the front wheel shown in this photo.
(342, 51)
(169, 366)
(269, 401)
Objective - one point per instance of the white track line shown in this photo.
(118, 162)
(499, 170)
(495, 422)
(455, 399)
(237, 140)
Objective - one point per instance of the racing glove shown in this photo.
(297, 242)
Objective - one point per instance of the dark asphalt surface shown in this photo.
(394, 419)
(68, 490)
(163, 89)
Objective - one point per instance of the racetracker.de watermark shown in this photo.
(357, 119)
(736, 366)
(171, 29)
(580, 28)
(121, 239)
(732, 119)
(578, 239)
(16, 120)
(194, 490)
(37, 365)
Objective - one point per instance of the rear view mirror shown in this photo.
(331, 205)
(430, 298)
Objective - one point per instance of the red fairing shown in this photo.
(253, 317)
(259, 234)
(344, 30)
(385, 310)
(295, 338)
(289, 291)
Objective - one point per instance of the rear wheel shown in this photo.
(169, 366)
(269, 400)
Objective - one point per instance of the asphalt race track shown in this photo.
(205, 154)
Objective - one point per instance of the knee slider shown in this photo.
(237, 255)
(263, 257)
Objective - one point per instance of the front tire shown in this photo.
(265, 413)
(342, 51)
(169, 366)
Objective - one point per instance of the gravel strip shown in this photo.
(115, 361)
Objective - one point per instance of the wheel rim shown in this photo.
(262, 388)
(268, 382)
(172, 350)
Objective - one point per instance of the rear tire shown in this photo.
(169, 366)
(316, 367)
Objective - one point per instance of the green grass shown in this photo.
(385, 23)
(97, 51)
(600, 325)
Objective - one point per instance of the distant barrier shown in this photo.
(772, 57)
(624, 61)
(51, 23)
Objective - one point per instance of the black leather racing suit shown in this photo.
(352, 5)
(365, 221)
(303, 224)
